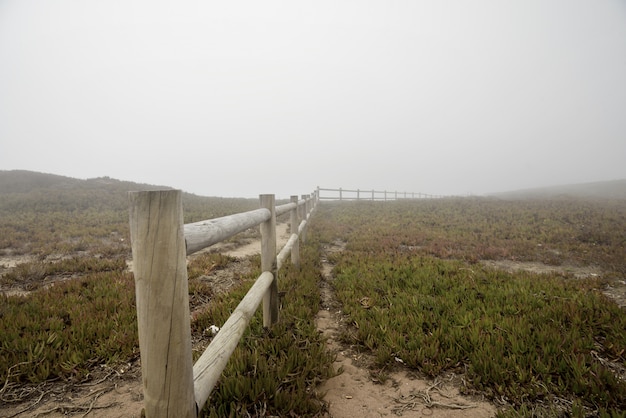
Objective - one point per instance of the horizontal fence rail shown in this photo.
(203, 234)
(160, 242)
(363, 194)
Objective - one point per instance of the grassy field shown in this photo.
(411, 280)
(411, 283)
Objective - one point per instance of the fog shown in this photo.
(240, 98)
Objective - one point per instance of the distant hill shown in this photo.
(24, 191)
(615, 189)
(23, 181)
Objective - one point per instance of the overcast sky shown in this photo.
(238, 98)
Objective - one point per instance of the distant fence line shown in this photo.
(160, 242)
(363, 194)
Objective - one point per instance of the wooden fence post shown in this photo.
(268, 260)
(160, 270)
(303, 216)
(293, 221)
(302, 210)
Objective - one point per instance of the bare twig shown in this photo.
(75, 408)
(422, 397)
(93, 401)
(31, 405)
(9, 375)
(101, 380)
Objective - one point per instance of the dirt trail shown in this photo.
(254, 246)
(357, 392)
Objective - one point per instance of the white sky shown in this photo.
(238, 98)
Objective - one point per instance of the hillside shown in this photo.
(22, 181)
(24, 191)
(615, 189)
(46, 213)
(40, 192)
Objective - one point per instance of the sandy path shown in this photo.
(254, 247)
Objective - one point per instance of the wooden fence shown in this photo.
(359, 194)
(172, 385)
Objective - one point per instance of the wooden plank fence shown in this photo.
(363, 194)
(173, 386)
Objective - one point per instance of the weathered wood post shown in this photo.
(268, 260)
(294, 222)
(303, 216)
(302, 210)
(340, 194)
(372, 195)
(160, 270)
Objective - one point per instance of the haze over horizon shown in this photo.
(242, 98)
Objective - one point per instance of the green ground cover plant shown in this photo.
(274, 372)
(524, 338)
(31, 275)
(555, 232)
(68, 329)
